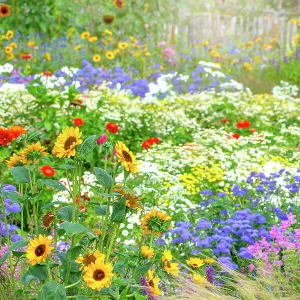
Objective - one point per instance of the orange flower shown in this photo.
(4, 11)
(16, 131)
(78, 122)
(120, 4)
(47, 171)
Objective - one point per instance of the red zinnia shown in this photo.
(148, 143)
(78, 122)
(5, 136)
(112, 127)
(47, 171)
(26, 56)
(16, 131)
(242, 124)
(225, 121)
(236, 136)
(47, 73)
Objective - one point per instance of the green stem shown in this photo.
(105, 224)
(73, 284)
(112, 241)
(151, 239)
(48, 269)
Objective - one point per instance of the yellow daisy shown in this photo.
(14, 161)
(93, 39)
(89, 258)
(8, 49)
(32, 153)
(195, 262)
(109, 55)
(147, 251)
(66, 142)
(199, 279)
(85, 35)
(10, 56)
(96, 58)
(38, 249)
(122, 45)
(30, 44)
(126, 158)
(167, 255)
(98, 274)
(9, 34)
(153, 283)
(171, 268)
(13, 45)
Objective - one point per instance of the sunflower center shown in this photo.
(151, 283)
(195, 265)
(99, 275)
(48, 219)
(4, 10)
(40, 250)
(127, 156)
(69, 142)
(89, 259)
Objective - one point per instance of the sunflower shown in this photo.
(66, 142)
(108, 19)
(8, 49)
(76, 48)
(120, 4)
(14, 161)
(209, 260)
(126, 158)
(122, 45)
(47, 220)
(153, 283)
(85, 35)
(167, 256)
(89, 258)
(132, 201)
(98, 274)
(155, 221)
(147, 251)
(10, 56)
(9, 34)
(13, 45)
(109, 55)
(38, 249)
(31, 44)
(171, 268)
(93, 39)
(4, 11)
(195, 262)
(33, 152)
(96, 58)
(199, 279)
(48, 56)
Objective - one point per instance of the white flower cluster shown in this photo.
(69, 71)
(50, 82)
(285, 91)
(6, 68)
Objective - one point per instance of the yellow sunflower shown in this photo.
(126, 158)
(76, 48)
(155, 221)
(10, 56)
(122, 45)
(8, 49)
(89, 258)
(38, 249)
(32, 153)
(209, 260)
(171, 268)
(167, 256)
(96, 58)
(153, 283)
(30, 44)
(9, 34)
(13, 45)
(147, 251)
(66, 142)
(132, 201)
(93, 39)
(195, 262)
(109, 55)
(199, 279)
(14, 161)
(85, 35)
(98, 274)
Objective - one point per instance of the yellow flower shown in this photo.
(273, 40)
(258, 40)
(8, 49)
(122, 45)
(96, 58)
(171, 268)
(13, 45)
(167, 255)
(110, 39)
(116, 51)
(132, 201)
(205, 43)
(31, 44)
(48, 56)
(155, 221)
(14, 161)
(85, 35)
(9, 34)
(256, 59)
(132, 39)
(147, 54)
(105, 43)
(92, 39)
(199, 279)
(126, 158)
(209, 260)
(66, 142)
(153, 283)
(4, 38)
(214, 53)
(248, 66)
(32, 152)
(109, 55)
(289, 53)
(89, 258)
(147, 251)
(38, 249)
(195, 262)
(249, 44)
(76, 48)
(98, 274)
(106, 31)
(10, 56)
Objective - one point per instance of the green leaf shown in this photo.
(139, 296)
(52, 204)
(18, 254)
(142, 270)
(20, 174)
(81, 297)
(72, 228)
(73, 252)
(119, 211)
(53, 184)
(65, 213)
(37, 272)
(52, 291)
(103, 178)
(13, 247)
(12, 195)
(100, 210)
(88, 145)
(64, 167)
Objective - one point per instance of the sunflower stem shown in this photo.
(113, 237)
(48, 269)
(105, 224)
(73, 284)
(151, 238)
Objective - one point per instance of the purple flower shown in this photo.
(210, 274)
(207, 192)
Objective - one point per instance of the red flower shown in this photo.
(5, 136)
(235, 136)
(252, 130)
(47, 171)
(26, 56)
(16, 131)
(47, 73)
(148, 143)
(82, 208)
(78, 122)
(225, 121)
(242, 124)
(112, 127)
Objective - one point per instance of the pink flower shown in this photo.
(102, 139)
(169, 52)
(162, 44)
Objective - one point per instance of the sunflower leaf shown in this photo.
(52, 291)
(88, 145)
(53, 184)
(119, 211)
(103, 178)
(72, 228)
(20, 174)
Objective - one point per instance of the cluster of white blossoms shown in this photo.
(6, 68)
(285, 91)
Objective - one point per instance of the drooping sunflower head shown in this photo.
(156, 222)
(38, 249)
(120, 4)
(47, 220)
(126, 158)
(108, 19)
(66, 142)
(32, 153)
(132, 201)
(4, 11)
(14, 161)
(98, 274)
(88, 258)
